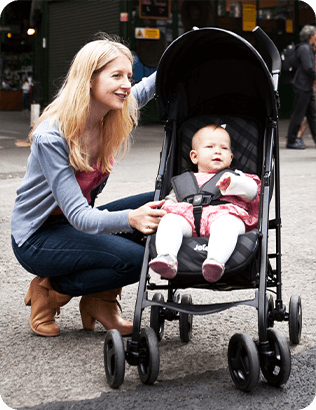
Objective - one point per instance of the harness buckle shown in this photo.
(197, 200)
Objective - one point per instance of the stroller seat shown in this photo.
(239, 271)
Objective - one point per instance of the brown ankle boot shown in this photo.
(103, 307)
(45, 302)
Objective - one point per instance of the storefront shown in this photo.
(149, 26)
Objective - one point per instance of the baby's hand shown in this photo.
(224, 182)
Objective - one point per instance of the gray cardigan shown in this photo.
(50, 181)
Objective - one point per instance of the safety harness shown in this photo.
(187, 189)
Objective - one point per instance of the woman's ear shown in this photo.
(193, 157)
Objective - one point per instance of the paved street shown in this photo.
(67, 372)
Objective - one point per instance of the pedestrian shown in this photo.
(304, 98)
(221, 222)
(73, 248)
(26, 87)
(304, 125)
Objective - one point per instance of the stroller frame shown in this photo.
(271, 352)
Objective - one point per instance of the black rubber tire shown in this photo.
(157, 321)
(148, 367)
(185, 320)
(269, 308)
(277, 368)
(243, 361)
(295, 319)
(114, 358)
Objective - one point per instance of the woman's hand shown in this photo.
(146, 218)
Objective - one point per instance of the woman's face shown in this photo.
(110, 88)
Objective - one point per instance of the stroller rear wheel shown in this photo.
(148, 367)
(186, 320)
(157, 321)
(243, 361)
(114, 358)
(277, 367)
(295, 319)
(269, 311)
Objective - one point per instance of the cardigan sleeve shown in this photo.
(144, 91)
(60, 176)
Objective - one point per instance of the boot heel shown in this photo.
(27, 299)
(88, 322)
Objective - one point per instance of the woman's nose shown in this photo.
(126, 84)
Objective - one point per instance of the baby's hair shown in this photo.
(212, 127)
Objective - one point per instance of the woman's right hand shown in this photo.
(146, 218)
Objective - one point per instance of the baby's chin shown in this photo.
(212, 170)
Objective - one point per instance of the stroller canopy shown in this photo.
(214, 71)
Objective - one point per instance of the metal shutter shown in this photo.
(71, 25)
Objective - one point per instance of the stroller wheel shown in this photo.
(277, 367)
(186, 320)
(243, 361)
(157, 320)
(114, 358)
(148, 367)
(295, 319)
(269, 311)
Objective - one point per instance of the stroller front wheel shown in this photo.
(243, 361)
(277, 368)
(148, 367)
(114, 358)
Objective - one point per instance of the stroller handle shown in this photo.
(271, 48)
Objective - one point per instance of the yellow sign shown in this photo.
(249, 17)
(147, 33)
(289, 26)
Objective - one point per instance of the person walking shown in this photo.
(26, 87)
(304, 98)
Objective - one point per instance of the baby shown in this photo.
(211, 152)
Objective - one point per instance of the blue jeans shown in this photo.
(81, 264)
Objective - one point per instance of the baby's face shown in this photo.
(211, 151)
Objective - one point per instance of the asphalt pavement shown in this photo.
(67, 372)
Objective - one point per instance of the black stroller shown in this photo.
(213, 76)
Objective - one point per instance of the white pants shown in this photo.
(224, 233)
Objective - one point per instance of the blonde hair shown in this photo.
(71, 106)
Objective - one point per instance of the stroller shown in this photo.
(213, 76)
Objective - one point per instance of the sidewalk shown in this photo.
(37, 371)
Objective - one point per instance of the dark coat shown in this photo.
(305, 74)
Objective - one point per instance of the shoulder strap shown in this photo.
(184, 185)
(186, 189)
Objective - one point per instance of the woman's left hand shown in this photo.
(147, 217)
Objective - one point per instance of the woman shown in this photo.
(71, 247)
